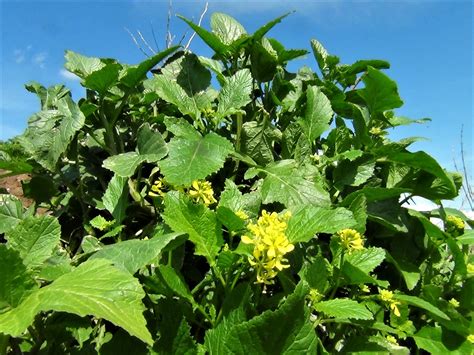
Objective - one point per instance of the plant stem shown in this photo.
(337, 276)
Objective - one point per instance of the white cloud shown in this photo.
(68, 75)
(40, 59)
(19, 56)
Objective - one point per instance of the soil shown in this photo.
(12, 185)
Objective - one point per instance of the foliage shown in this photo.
(228, 205)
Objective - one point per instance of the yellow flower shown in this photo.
(157, 189)
(470, 268)
(387, 297)
(314, 296)
(376, 131)
(351, 240)
(391, 339)
(270, 245)
(364, 288)
(454, 302)
(470, 338)
(201, 191)
(454, 226)
(242, 215)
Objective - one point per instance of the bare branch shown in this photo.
(464, 167)
(136, 42)
(169, 38)
(146, 43)
(199, 24)
(154, 37)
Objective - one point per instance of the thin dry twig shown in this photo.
(136, 42)
(146, 43)
(154, 37)
(169, 37)
(199, 24)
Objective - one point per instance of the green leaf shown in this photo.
(168, 276)
(194, 159)
(81, 65)
(366, 259)
(318, 113)
(343, 308)
(307, 221)
(467, 238)
(134, 74)
(115, 198)
(101, 80)
(316, 274)
(418, 302)
(226, 28)
(172, 92)
(150, 148)
(93, 288)
(358, 207)
(132, 255)
(380, 92)
(209, 38)
(15, 281)
(285, 183)
(262, 31)
(189, 73)
(257, 141)
(198, 221)
(235, 94)
(286, 330)
(352, 173)
(440, 341)
(50, 132)
(35, 238)
(151, 144)
(320, 53)
(234, 200)
(11, 212)
(362, 66)
(48, 96)
(264, 61)
(410, 272)
(125, 164)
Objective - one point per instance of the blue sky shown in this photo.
(428, 43)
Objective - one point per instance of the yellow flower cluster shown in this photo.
(351, 240)
(454, 226)
(158, 188)
(470, 338)
(242, 215)
(454, 302)
(201, 191)
(270, 245)
(387, 297)
(470, 268)
(391, 339)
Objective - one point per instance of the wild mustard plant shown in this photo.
(201, 191)
(350, 240)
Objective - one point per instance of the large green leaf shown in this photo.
(380, 92)
(235, 93)
(410, 272)
(316, 274)
(318, 113)
(194, 159)
(150, 148)
(50, 132)
(11, 212)
(15, 281)
(168, 276)
(418, 302)
(81, 65)
(307, 221)
(134, 74)
(366, 259)
(211, 39)
(93, 288)
(440, 341)
(48, 96)
(198, 221)
(115, 198)
(35, 238)
(189, 73)
(257, 141)
(101, 80)
(284, 182)
(320, 53)
(132, 255)
(226, 27)
(286, 330)
(343, 308)
(170, 91)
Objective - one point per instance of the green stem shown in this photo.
(109, 134)
(337, 276)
